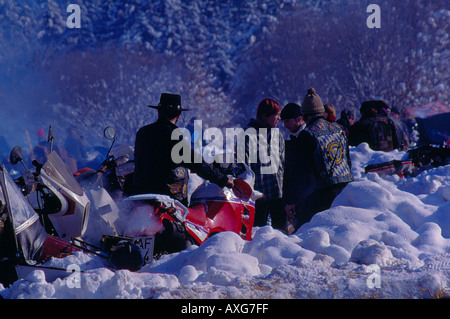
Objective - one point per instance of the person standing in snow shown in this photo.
(155, 169)
(292, 118)
(270, 184)
(324, 160)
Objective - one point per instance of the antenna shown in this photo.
(51, 138)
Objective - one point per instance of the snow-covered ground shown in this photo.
(384, 237)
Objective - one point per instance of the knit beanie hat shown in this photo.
(312, 104)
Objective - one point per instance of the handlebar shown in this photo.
(122, 159)
(38, 166)
(112, 162)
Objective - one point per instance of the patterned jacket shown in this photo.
(268, 175)
(324, 157)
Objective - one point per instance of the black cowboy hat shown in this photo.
(169, 102)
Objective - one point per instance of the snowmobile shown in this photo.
(419, 159)
(64, 208)
(54, 194)
(161, 224)
(24, 243)
(212, 210)
(106, 187)
(115, 173)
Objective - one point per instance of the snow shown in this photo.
(383, 237)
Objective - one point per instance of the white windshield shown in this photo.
(56, 169)
(2, 203)
(24, 215)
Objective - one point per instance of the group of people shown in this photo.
(315, 163)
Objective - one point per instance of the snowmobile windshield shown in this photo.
(23, 214)
(56, 169)
(29, 233)
(2, 203)
(3, 215)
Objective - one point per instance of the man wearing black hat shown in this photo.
(292, 118)
(155, 170)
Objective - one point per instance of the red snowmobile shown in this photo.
(212, 210)
(162, 224)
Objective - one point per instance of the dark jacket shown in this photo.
(155, 170)
(324, 157)
(401, 136)
(345, 123)
(291, 172)
(377, 130)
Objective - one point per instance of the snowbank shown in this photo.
(384, 237)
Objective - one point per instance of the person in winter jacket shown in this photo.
(156, 171)
(292, 118)
(375, 128)
(324, 162)
(268, 169)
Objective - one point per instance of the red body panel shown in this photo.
(56, 247)
(219, 216)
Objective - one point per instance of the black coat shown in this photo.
(378, 131)
(292, 176)
(155, 170)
